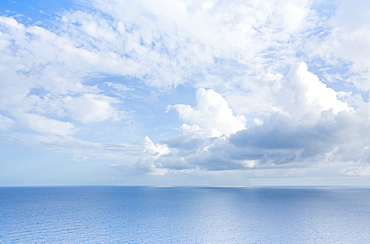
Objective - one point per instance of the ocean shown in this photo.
(115, 214)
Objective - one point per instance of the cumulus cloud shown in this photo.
(308, 125)
(283, 140)
(212, 116)
(302, 92)
(263, 108)
(148, 162)
(205, 133)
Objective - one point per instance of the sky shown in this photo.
(184, 92)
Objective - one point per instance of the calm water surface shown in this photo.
(183, 215)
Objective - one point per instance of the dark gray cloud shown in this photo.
(280, 140)
(297, 140)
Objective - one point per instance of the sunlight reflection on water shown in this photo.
(183, 215)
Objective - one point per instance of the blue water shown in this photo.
(183, 215)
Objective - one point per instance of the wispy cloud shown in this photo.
(278, 85)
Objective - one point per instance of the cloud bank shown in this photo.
(275, 88)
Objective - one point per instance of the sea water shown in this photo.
(184, 215)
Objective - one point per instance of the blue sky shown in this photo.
(181, 92)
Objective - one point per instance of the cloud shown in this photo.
(345, 47)
(281, 136)
(208, 126)
(287, 84)
(45, 125)
(80, 149)
(119, 87)
(212, 116)
(302, 92)
(308, 125)
(5, 122)
(171, 43)
(90, 108)
(148, 162)
(43, 74)
(357, 171)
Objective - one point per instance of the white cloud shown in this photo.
(80, 149)
(308, 124)
(357, 171)
(90, 108)
(240, 49)
(345, 48)
(148, 162)
(166, 43)
(42, 80)
(45, 125)
(212, 116)
(302, 92)
(5, 122)
(119, 87)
